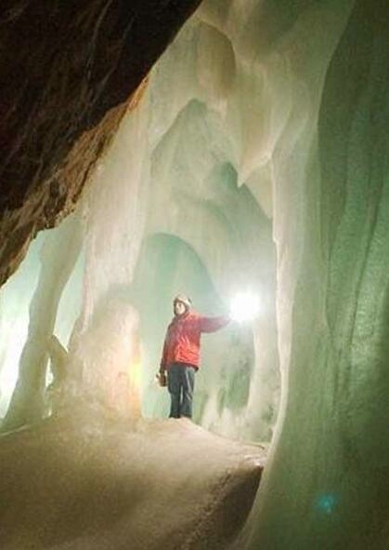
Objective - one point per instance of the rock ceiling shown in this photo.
(68, 72)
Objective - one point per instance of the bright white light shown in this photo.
(244, 306)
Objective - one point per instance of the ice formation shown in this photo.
(256, 159)
(169, 211)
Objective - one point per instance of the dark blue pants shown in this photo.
(180, 383)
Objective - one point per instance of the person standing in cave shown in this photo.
(181, 353)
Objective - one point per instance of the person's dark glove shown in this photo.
(161, 377)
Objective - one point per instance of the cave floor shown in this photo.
(99, 484)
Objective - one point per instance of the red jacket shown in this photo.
(182, 341)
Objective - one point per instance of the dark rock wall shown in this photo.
(67, 70)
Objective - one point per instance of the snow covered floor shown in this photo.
(108, 484)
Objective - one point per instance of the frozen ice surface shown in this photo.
(104, 484)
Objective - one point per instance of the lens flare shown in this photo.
(244, 306)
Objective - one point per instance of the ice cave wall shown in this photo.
(326, 486)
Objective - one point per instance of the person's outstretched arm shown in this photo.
(212, 324)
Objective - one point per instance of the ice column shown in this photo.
(58, 256)
(104, 352)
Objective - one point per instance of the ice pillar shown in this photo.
(327, 484)
(104, 350)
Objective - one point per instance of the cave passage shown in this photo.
(253, 157)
